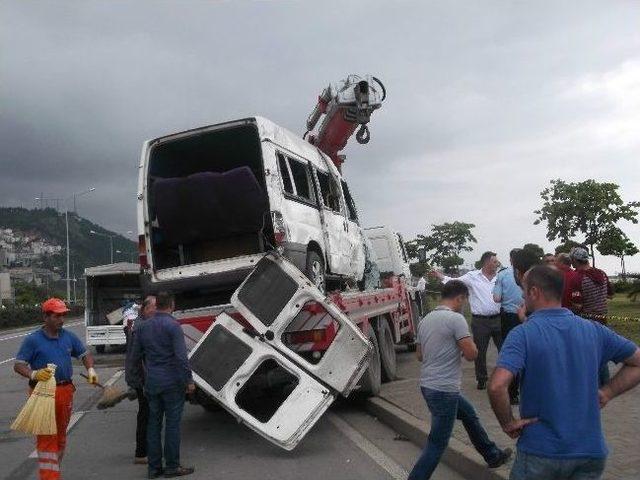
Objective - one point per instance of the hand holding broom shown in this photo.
(38, 416)
(111, 396)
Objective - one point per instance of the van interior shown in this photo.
(207, 197)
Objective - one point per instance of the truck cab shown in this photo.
(390, 253)
(213, 200)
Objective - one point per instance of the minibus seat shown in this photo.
(209, 206)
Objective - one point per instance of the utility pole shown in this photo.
(66, 221)
(66, 218)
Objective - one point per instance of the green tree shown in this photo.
(445, 244)
(27, 293)
(566, 247)
(588, 208)
(615, 242)
(537, 250)
(419, 267)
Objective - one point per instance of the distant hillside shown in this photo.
(87, 250)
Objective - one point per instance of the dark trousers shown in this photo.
(445, 408)
(509, 321)
(141, 424)
(483, 330)
(164, 405)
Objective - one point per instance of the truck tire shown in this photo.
(387, 351)
(101, 349)
(372, 377)
(315, 271)
(206, 402)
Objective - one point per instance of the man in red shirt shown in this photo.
(589, 289)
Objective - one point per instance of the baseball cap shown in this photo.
(579, 254)
(54, 305)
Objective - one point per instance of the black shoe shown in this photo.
(502, 458)
(156, 474)
(515, 400)
(179, 472)
(482, 384)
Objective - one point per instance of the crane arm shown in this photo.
(344, 105)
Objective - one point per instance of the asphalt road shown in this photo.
(346, 444)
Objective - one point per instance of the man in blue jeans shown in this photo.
(558, 355)
(160, 342)
(443, 336)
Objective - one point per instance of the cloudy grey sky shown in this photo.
(487, 101)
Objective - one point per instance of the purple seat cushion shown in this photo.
(209, 205)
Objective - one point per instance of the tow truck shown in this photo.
(281, 350)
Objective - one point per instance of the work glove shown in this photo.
(42, 375)
(92, 376)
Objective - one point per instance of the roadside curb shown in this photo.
(458, 456)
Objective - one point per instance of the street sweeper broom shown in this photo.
(38, 416)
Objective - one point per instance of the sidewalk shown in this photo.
(621, 420)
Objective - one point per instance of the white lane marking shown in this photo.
(115, 377)
(382, 459)
(76, 416)
(7, 360)
(24, 334)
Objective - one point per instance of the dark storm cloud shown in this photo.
(486, 103)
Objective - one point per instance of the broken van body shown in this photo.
(213, 200)
(232, 362)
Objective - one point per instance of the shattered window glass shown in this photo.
(302, 180)
(311, 332)
(266, 390)
(284, 174)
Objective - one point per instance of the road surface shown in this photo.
(346, 444)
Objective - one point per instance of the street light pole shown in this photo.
(77, 194)
(66, 221)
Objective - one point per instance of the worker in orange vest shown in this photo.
(53, 344)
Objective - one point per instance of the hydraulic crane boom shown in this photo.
(345, 105)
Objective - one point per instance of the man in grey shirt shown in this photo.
(443, 339)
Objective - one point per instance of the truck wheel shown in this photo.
(315, 270)
(206, 402)
(387, 351)
(101, 348)
(372, 377)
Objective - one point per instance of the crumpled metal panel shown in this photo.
(344, 361)
(224, 362)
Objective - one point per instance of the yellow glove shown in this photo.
(92, 376)
(42, 375)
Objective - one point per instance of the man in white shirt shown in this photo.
(485, 312)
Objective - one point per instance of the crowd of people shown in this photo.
(547, 318)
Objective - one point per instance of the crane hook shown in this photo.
(363, 136)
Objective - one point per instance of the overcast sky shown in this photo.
(487, 101)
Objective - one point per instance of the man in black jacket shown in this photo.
(147, 310)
